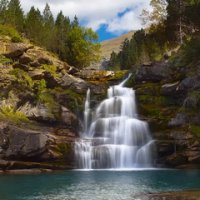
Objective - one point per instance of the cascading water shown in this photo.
(114, 138)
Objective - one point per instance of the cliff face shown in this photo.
(169, 98)
(41, 102)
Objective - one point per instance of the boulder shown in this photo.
(15, 50)
(44, 60)
(37, 74)
(72, 70)
(153, 73)
(25, 59)
(51, 80)
(190, 83)
(23, 143)
(40, 112)
(21, 66)
(69, 119)
(69, 81)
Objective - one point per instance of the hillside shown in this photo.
(113, 45)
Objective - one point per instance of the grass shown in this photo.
(51, 69)
(195, 130)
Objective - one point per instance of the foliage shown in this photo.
(73, 43)
(23, 79)
(7, 30)
(4, 60)
(51, 69)
(9, 113)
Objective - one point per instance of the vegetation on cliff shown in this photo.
(72, 43)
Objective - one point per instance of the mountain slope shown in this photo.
(113, 45)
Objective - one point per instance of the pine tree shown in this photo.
(14, 15)
(34, 25)
(3, 9)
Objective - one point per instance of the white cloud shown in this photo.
(95, 13)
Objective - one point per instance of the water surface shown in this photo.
(95, 185)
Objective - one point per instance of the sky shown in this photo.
(109, 18)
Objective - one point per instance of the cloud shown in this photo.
(94, 13)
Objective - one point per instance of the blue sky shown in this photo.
(110, 18)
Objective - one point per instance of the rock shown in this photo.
(194, 156)
(35, 64)
(171, 89)
(72, 70)
(15, 50)
(39, 112)
(69, 119)
(37, 74)
(23, 143)
(21, 66)
(165, 148)
(44, 60)
(51, 81)
(25, 59)
(191, 102)
(155, 73)
(89, 74)
(177, 159)
(69, 81)
(190, 82)
(181, 119)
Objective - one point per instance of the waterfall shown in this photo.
(114, 137)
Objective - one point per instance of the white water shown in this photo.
(115, 138)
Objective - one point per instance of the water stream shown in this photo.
(114, 137)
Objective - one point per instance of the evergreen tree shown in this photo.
(3, 9)
(14, 15)
(34, 25)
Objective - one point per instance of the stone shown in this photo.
(171, 89)
(153, 73)
(51, 81)
(37, 74)
(69, 119)
(72, 70)
(21, 66)
(181, 119)
(69, 81)
(15, 50)
(190, 83)
(24, 143)
(44, 60)
(25, 59)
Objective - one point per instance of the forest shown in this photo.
(68, 39)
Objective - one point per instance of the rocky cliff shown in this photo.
(169, 98)
(41, 104)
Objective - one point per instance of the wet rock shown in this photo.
(164, 148)
(177, 159)
(191, 102)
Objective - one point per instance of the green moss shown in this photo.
(8, 113)
(74, 101)
(64, 148)
(195, 130)
(6, 30)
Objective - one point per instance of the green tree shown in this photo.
(14, 15)
(83, 47)
(34, 25)
(3, 9)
